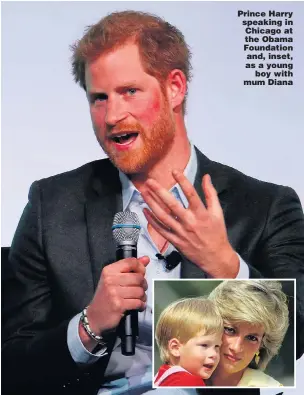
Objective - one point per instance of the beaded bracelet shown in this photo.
(85, 324)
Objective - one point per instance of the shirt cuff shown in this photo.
(78, 351)
(243, 270)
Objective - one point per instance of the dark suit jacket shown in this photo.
(64, 240)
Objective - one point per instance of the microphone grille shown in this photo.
(126, 227)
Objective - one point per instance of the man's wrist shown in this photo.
(226, 266)
(86, 326)
(86, 340)
(232, 265)
(80, 354)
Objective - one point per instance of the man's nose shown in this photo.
(115, 112)
(236, 344)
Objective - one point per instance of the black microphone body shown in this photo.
(129, 324)
(126, 229)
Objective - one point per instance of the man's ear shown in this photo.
(176, 88)
(174, 346)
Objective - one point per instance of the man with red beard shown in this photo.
(69, 293)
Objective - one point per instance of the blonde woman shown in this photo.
(255, 315)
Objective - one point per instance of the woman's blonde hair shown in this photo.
(258, 302)
(185, 319)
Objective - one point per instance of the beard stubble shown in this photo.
(155, 144)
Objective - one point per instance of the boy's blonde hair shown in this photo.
(185, 319)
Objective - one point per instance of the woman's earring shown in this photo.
(257, 357)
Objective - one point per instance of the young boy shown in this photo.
(189, 335)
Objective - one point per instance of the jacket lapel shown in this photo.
(204, 166)
(207, 166)
(104, 200)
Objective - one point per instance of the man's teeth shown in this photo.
(124, 138)
(121, 137)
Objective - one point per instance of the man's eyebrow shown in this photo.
(95, 95)
(128, 84)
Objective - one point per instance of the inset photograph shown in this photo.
(224, 333)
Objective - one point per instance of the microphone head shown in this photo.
(126, 228)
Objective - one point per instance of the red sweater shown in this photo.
(179, 379)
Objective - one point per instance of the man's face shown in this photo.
(240, 343)
(131, 116)
(201, 354)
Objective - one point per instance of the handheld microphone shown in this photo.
(172, 260)
(126, 230)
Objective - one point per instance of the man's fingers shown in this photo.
(134, 304)
(127, 265)
(144, 303)
(133, 279)
(159, 227)
(159, 212)
(212, 200)
(167, 198)
(194, 200)
(131, 293)
(127, 280)
(144, 260)
(148, 191)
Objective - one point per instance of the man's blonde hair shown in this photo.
(185, 319)
(257, 302)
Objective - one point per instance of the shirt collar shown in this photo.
(129, 190)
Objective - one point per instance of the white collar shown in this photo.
(129, 191)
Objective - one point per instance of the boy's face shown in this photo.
(201, 354)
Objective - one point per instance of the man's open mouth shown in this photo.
(125, 138)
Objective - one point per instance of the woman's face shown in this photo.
(240, 343)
